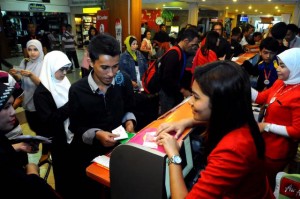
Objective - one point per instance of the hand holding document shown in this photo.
(120, 131)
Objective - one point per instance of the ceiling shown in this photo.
(258, 7)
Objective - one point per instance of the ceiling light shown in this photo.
(227, 8)
(234, 0)
(243, 12)
(236, 10)
(255, 10)
(172, 7)
(250, 7)
(276, 7)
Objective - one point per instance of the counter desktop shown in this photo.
(137, 171)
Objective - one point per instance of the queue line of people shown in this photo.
(113, 88)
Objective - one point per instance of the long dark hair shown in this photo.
(90, 32)
(228, 87)
(211, 40)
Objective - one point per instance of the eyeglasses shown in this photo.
(62, 69)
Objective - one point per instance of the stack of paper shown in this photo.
(102, 160)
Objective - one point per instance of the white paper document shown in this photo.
(102, 160)
(150, 140)
(120, 131)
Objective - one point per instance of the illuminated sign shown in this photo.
(92, 10)
(36, 7)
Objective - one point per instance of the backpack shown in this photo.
(151, 78)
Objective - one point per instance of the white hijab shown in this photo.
(35, 67)
(291, 58)
(59, 89)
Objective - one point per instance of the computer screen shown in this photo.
(187, 162)
(245, 19)
(174, 29)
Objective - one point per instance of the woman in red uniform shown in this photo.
(281, 125)
(207, 51)
(234, 147)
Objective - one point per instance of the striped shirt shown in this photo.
(69, 41)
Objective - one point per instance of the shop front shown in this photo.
(16, 15)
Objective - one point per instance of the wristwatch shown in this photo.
(175, 159)
(267, 128)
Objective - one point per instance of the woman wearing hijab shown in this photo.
(16, 130)
(51, 102)
(281, 125)
(29, 73)
(133, 62)
(17, 181)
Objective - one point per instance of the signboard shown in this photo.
(36, 7)
(44, 1)
(102, 21)
(118, 27)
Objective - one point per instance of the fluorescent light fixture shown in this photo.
(172, 7)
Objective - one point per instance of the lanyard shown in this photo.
(265, 73)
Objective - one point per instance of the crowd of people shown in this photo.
(242, 155)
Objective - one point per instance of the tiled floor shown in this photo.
(74, 76)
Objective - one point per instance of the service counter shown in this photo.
(141, 169)
(252, 57)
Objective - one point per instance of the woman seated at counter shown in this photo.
(234, 147)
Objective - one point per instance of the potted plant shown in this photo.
(168, 16)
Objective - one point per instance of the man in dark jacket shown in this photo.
(172, 70)
(98, 104)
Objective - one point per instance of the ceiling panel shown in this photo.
(258, 7)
